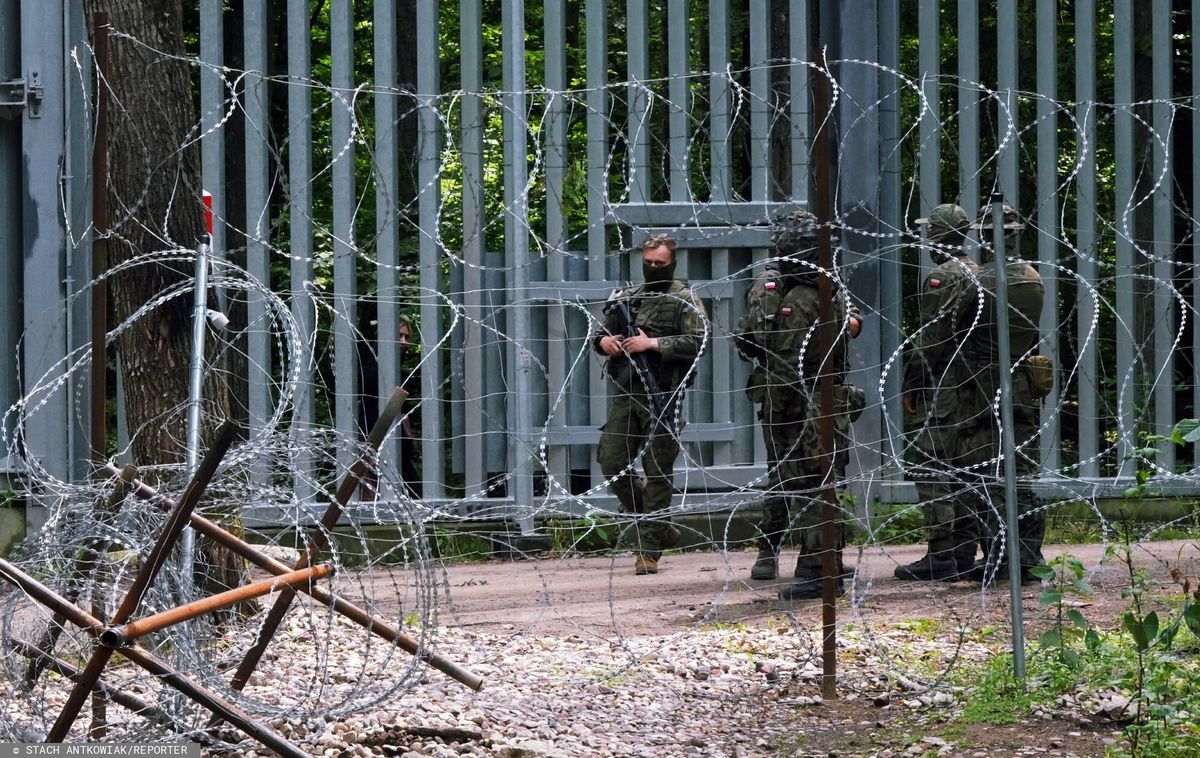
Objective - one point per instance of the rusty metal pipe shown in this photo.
(119, 636)
(172, 678)
(145, 576)
(355, 613)
(827, 334)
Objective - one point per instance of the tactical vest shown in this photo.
(658, 314)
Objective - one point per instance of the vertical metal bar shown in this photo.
(345, 249)
(387, 218)
(1086, 327)
(187, 543)
(760, 99)
(258, 262)
(798, 95)
(429, 205)
(12, 258)
(638, 137)
(558, 339)
(890, 290)
(823, 209)
(929, 52)
(1047, 217)
(679, 91)
(597, 174)
(1006, 69)
(76, 209)
(474, 462)
(721, 190)
(213, 95)
(300, 231)
(1123, 124)
(719, 94)
(521, 443)
(859, 182)
(45, 341)
(98, 406)
(1163, 246)
(968, 104)
(1007, 440)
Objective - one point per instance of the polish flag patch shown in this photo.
(786, 311)
(935, 282)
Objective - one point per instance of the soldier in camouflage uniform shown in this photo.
(950, 509)
(779, 332)
(964, 342)
(670, 324)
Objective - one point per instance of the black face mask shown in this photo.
(658, 279)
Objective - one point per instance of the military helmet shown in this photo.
(945, 218)
(1012, 220)
(795, 232)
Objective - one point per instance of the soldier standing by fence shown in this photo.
(779, 333)
(652, 336)
(958, 370)
(930, 389)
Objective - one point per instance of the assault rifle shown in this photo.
(639, 362)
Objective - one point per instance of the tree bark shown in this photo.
(154, 198)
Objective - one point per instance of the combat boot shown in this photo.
(766, 565)
(931, 567)
(808, 582)
(808, 587)
(644, 564)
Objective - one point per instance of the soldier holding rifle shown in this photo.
(651, 336)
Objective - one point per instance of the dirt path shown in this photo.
(602, 596)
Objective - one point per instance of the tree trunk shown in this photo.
(154, 199)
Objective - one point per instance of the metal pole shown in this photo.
(100, 220)
(1007, 442)
(826, 336)
(119, 636)
(516, 241)
(187, 544)
(98, 407)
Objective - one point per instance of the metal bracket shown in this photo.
(17, 95)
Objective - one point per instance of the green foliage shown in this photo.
(449, 545)
(1063, 578)
(900, 525)
(1186, 431)
(998, 699)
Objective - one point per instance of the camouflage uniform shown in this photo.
(956, 367)
(950, 510)
(779, 331)
(676, 318)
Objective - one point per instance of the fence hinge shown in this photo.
(20, 94)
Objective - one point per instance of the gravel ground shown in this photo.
(580, 658)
